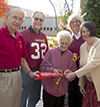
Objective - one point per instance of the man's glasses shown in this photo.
(36, 19)
(16, 18)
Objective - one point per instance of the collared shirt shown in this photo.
(76, 36)
(11, 49)
(36, 46)
(32, 30)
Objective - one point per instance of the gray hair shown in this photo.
(14, 7)
(64, 34)
(76, 16)
(33, 13)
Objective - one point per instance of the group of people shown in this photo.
(20, 58)
(23, 54)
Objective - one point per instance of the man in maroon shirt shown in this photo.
(12, 55)
(37, 46)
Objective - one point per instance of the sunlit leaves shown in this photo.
(4, 7)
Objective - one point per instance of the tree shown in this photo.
(3, 7)
(92, 10)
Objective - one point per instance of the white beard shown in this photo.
(37, 27)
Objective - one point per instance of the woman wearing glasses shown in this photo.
(74, 95)
(89, 72)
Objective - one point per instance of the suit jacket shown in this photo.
(92, 66)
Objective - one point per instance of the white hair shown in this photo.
(14, 7)
(76, 16)
(64, 34)
(33, 13)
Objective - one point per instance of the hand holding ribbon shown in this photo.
(43, 75)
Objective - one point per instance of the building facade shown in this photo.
(49, 27)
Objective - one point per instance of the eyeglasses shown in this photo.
(36, 19)
(62, 43)
(16, 18)
(74, 22)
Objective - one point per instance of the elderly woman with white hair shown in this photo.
(74, 23)
(57, 60)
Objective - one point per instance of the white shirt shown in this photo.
(76, 36)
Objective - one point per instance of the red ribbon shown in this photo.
(43, 75)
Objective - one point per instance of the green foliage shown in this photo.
(65, 17)
(52, 40)
(55, 42)
(63, 21)
(62, 25)
(92, 10)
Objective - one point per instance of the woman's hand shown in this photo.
(82, 90)
(56, 71)
(71, 75)
(67, 71)
(78, 57)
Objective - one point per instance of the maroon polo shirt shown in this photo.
(11, 49)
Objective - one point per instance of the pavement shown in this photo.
(40, 103)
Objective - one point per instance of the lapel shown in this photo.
(92, 49)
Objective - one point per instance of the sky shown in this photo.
(44, 5)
